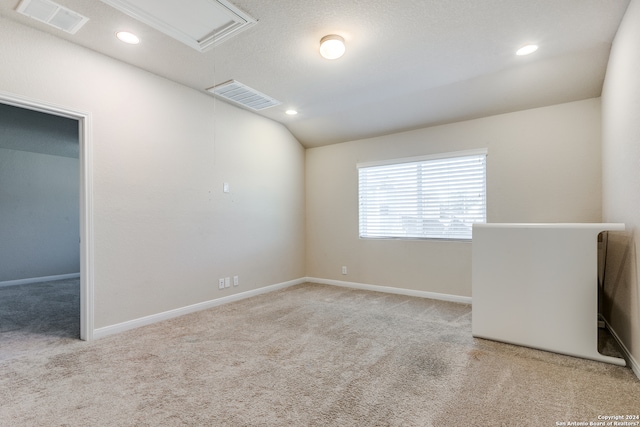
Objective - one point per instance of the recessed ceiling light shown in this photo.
(526, 50)
(332, 46)
(127, 37)
(291, 112)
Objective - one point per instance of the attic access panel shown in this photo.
(200, 24)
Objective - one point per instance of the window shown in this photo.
(431, 197)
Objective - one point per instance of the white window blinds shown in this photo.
(434, 197)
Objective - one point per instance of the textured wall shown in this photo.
(39, 194)
(39, 222)
(543, 165)
(164, 231)
(621, 179)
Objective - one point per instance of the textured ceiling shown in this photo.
(409, 63)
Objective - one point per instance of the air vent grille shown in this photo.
(53, 14)
(244, 95)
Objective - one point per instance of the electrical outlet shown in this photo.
(220, 283)
(236, 281)
(227, 282)
(344, 269)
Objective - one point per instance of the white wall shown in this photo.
(621, 179)
(543, 166)
(39, 207)
(164, 231)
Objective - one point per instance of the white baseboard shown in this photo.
(633, 363)
(154, 318)
(143, 321)
(39, 279)
(392, 290)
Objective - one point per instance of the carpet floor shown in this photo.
(310, 355)
(38, 316)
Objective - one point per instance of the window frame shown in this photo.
(420, 159)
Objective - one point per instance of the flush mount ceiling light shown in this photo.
(291, 112)
(332, 46)
(527, 50)
(127, 37)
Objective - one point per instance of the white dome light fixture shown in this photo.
(332, 46)
(127, 37)
(527, 50)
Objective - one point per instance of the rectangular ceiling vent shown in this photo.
(200, 24)
(53, 14)
(244, 95)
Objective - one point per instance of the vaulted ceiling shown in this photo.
(408, 63)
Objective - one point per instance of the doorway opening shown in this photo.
(84, 202)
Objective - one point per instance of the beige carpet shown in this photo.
(310, 355)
